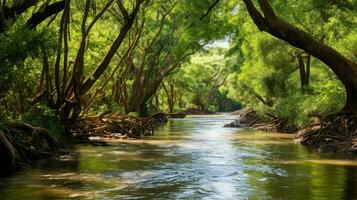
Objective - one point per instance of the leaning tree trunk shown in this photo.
(304, 73)
(345, 69)
(142, 94)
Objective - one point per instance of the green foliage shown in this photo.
(21, 53)
(134, 114)
(296, 107)
(197, 84)
(268, 79)
(17, 44)
(225, 104)
(42, 116)
(98, 109)
(258, 70)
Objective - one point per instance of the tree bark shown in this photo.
(8, 13)
(45, 13)
(308, 66)
(304, 73)
(36, 18)
(170, 95)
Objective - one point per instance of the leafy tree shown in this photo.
(199, 81)
(344, 68)
(168, 33)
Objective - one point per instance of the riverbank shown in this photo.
(334, 133)
(23, 143)
(249, 118)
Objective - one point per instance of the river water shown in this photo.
(191, 158)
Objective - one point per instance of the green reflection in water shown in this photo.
(193, 158)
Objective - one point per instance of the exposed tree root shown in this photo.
(21, 143)
(337, 132)
(116, 126)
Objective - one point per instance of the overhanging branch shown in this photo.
(44, 13)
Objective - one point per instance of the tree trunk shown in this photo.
(157, 102)
(72, 108)
(351, 100)
(138, 107)
(304, 73)
(308, 64)
(170, 95)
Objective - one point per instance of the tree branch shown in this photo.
(267, 9)
(44, 13)
(255, 15)
(339, 64)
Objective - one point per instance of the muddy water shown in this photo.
(192, 158)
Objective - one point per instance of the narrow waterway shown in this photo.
(192, 158)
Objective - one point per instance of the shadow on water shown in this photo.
(192, 158)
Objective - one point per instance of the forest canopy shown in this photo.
(82, 58)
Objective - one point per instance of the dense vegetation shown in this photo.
(91, 57)
(67, 59)
(287, 82)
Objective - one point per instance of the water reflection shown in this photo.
(193, 158)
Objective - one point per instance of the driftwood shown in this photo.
(116, 126)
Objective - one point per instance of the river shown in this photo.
(191, 158)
